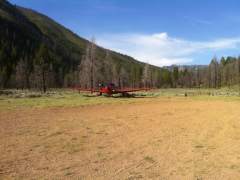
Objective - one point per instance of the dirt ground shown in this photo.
(158, 139)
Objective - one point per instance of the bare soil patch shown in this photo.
(158, 139)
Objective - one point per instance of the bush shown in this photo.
(34, 95)
(5, 92)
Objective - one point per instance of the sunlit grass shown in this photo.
(56, 99)
(68, 98)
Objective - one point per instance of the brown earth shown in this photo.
(157, 139)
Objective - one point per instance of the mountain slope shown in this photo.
(24, 32)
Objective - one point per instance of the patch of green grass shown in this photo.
(149, 159)
(69, 173)
(199, 146)
(205, 94)
(57, 99)
(233, 166)
(67, 98)
(55, 134)
(72, 147)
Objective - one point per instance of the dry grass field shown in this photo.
(145, 138)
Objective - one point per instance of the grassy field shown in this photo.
(12, 99)
(54, 98)
(163, 134)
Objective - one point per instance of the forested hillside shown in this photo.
(35, 52)
(38, 53)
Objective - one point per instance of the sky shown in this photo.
(159, 32)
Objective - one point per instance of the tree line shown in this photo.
(43, 71)
(38, 53)
(224, 72)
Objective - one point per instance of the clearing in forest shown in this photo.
(168, 138)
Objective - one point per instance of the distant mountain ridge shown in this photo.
(183, 67)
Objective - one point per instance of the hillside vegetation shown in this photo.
(38, 53)
(28, 37)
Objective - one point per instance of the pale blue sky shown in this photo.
(159, 32)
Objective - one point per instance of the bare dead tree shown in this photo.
(92, 60)
(88, 66)
(146, 77)
(237, 74)
(21, 74)
(42, 66)
(123, 78)
(110, 73)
